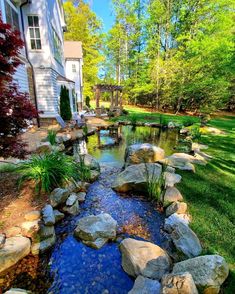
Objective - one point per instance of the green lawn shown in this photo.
(210, 192)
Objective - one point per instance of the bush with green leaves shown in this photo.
(51, 137)
(65, 110)
(48, 171)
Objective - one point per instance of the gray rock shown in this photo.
(185, 240)
(172, 194)
(63, 137)
(18, 291)
(71, 199)
(171, 179)
(73, 210)
(208, 272)
(143, 153)
(96, 230)
(2, 240)
(94, 175)
(43, 246)
(144, 258)
(45, 232)
(174, 219)
(33, 215)
(188, 158)
(134, 177)
(145, 286)
(90, 161)
(81, 196)
(44, 147)
(178, 283)
(176, 207)
(58, 196)
(14, 249)
(58, 215)
(48, 215)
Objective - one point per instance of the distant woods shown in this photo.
(168, 54)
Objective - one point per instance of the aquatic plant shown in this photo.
(83, 171)
(155, 183)
(48, 171)
(51, 137)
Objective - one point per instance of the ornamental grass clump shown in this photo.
(48, 171)
(83, 171)
(51, 137)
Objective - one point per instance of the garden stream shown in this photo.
(75, 268)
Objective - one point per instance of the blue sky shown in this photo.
(103, 9)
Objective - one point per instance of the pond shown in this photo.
(75, 268)
(108, 146)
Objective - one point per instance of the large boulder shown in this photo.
(185, 240)
(144, 258)
(145, 286)
(178, 283)
(208, 272)
(143, 153)
(96, 230)
(135, 177)
(14, 249)
(59, 196)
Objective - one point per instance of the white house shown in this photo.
(42, 25)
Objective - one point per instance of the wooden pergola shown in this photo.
(116, 95)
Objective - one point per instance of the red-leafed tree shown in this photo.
(16, 110)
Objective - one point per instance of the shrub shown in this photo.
(48, 171)
(84, 172)
(87, 101)
(133, 119)
(65, 110)
(188, 121)
(51, 137)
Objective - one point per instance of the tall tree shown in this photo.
(83, 25)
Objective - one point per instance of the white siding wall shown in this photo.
(21, 78)
(47, 93)
(75, 76)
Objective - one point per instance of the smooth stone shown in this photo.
(32, 215)
(58, 215)
(71, 199)
(172, 194)
(171, 179)
(43, 246)
(58, 196)
(89, 161)
(14, 249)
(73, 210)
(178, 283)
(81, 196)
(96, 229)
(48, 215)
(13, 232)
(179, 163)
(174, 219)
(144, 258)
(144, 285)
(143, 153)
(17, 291)
(208, 272)
(176, 207)
(134, 177)
(30, 229)
(2, 240)
(185, 240)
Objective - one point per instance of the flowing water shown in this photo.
(77, 269)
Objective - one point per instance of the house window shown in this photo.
(74, 68)
(12, 17)
(57, 47)
(34, 32)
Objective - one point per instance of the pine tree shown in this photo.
(65, 110)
